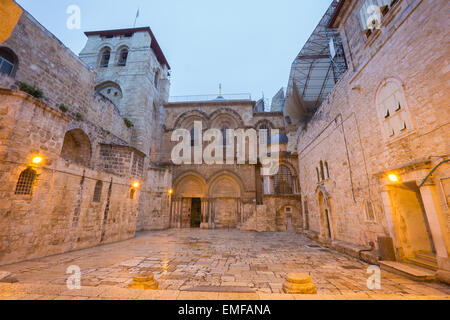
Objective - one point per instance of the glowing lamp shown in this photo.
(136, 184)
(170, 191)
(37, 160)
(393, 178)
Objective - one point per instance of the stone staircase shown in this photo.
(425, 260)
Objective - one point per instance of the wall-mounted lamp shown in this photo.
(37, 160)
(393, 178)
(136, 184)
(170, 191)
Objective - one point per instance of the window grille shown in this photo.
(98, 191)
(25, 183)
(283, 181)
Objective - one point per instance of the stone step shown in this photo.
(408, 270)
(428, 256)
(423, 263)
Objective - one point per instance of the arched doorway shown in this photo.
(324, 216)
(225, 193)
(188, 209)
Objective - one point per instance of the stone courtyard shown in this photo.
(203, 264)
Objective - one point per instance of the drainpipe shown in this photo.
(372, 248)
(433, 171)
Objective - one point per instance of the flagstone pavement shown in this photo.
(208, 264)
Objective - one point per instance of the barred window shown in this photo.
(284, 181)
(25, 183)
(98, 191)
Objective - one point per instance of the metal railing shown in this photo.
(211, 97)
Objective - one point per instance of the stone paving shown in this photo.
(203, 264)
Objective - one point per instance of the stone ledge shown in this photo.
(343, 247)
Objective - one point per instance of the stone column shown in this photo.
(204, 224)
(433, 220)
(388, 213)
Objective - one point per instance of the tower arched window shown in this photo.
(105, 56)
(8, 61)
(26, 181)
(327, 170)
(123, 57)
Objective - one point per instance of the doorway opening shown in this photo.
(412, 227)
(196, 213)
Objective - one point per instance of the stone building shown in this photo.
(373, 151)
(79, 139)
(230, 195)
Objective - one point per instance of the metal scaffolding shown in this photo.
(319, 65)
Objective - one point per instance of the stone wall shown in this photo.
(60, 214)
(154, 212)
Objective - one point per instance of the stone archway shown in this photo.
(77, 147)
(190, 190)
(324, 213)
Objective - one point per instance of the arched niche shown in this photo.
(77, 147)
(110, 90)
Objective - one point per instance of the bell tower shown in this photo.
(133, 74)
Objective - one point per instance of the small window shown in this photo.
(123, 56)
(322, 172)
(98, 192)
(288, 210)
(393, 109)
(156, 80)
(26, 181)
(370, 213)
(318, 175)
(133, 194)
(327, 170)
(104, 58)
(8, 61)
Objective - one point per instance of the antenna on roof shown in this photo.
(137, 16)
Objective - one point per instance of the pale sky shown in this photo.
(247, 45)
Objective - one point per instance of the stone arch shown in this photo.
(323, 202)
(190, 184)
(9, 62)
(77, 147)
(223, 115)
(187, 119)
(111, 90)
(266, 123)
(232, 181)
